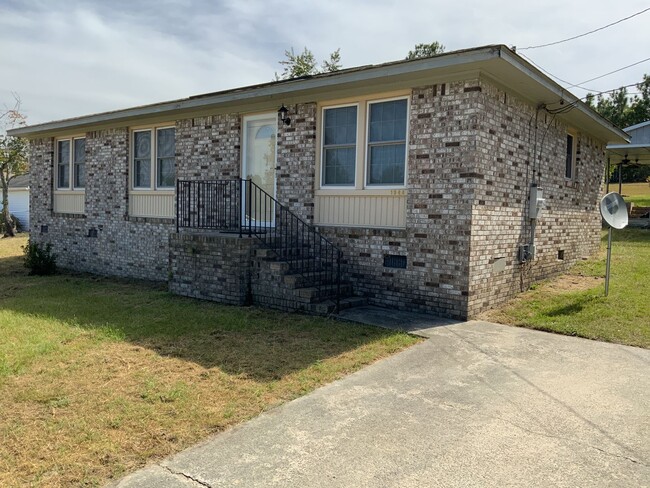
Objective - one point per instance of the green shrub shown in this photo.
(40, 260)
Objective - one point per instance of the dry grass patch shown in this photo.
(100, 376)
(575, 304)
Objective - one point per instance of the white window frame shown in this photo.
(574, 152)
(367, 144)
(71, 183)
(322, 149)
(362, 153)
(153, 161)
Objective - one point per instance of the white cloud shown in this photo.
(96, 56)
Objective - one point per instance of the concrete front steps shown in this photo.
(276, 284)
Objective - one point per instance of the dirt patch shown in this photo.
(566, 283)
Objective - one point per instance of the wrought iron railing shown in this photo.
(244, 207)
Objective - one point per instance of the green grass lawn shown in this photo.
(638, 193)
(100, 376)
(575, 304)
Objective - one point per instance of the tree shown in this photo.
(304, 64)
(624, 111)
(426, 50)
(13, 159)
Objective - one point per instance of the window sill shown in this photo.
(141, 191)
(151, 220)
(69, 215)
(366, 192)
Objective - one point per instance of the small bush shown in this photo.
(40, 260)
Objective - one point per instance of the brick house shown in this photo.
(405, 184)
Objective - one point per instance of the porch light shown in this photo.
(283, 115)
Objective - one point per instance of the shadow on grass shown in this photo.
(262, 345)
(570, 309)
(635, 235)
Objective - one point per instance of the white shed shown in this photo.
(19, 199)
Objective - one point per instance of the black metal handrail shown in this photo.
(243, 206)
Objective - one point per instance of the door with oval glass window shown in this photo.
(258, 165)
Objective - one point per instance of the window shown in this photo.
(369, 131)
(569, 167)
(153, 158)
(339, 145)
(386, 143)
(71, 160)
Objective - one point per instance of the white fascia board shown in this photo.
(272, 90)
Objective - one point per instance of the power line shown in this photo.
(586, 33)
(554, 76)
(579, 85)
(611, 72)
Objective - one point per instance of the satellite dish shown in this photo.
(613, 210)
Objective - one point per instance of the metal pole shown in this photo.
(620, 178)
(178, 191)
(609, 258)
(608, 173)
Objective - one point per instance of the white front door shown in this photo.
(258, 165)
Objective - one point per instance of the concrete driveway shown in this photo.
(477, 404)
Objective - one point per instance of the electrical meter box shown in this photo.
(537, 202)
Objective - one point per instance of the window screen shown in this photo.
(568, 172)
(339, 145)
(79, 159)
(63, 169)
(387, 142)
(142, 159)
(166, 149)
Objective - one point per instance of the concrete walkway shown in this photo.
(477, 404)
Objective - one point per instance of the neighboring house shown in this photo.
(19, 200)
(637, 151)
(412, 178)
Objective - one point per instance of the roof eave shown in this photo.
(248, 94)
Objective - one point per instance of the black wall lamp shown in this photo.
(283, 115)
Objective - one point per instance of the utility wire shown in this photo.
(553, 76)
(611, 72)
(579, 85)
(585, 34)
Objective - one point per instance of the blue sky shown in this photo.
(77, 57)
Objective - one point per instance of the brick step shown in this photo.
(287, 252)
(329, 306)
(298, 280)
(287, 267)
(315, 294)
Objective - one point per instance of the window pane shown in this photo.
(142, 159)
(568, 172)
(142, 145)
(166, 143)
(340, 126)
(63, 158)
(80, 150)
(387, 121)
(386, 164)
(79, 158)
(166, 172)
(79, 175)
(142, 173)
(339, 166)
(165, 150)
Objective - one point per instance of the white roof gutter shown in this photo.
(351, 76)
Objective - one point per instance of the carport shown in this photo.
(636, 153)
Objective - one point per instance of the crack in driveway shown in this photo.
(186, 476)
